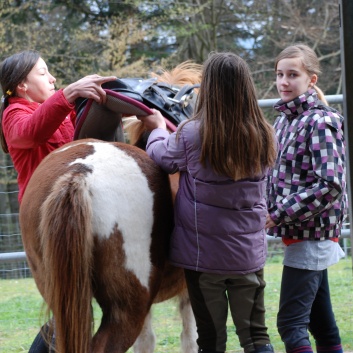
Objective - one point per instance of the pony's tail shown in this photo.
(67, 243)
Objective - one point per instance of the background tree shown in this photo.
(75, 37)
(129, 38)
(313, 22)
(256, 30)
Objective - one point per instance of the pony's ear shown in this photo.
(104, 121)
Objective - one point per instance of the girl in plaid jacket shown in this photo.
(307, 202)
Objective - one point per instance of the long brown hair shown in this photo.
(13, 71)
(309, 60)
(236, 139)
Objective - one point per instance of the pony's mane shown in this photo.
(186, 73)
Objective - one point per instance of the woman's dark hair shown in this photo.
(236, 139)
(13, 71)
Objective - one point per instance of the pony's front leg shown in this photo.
(146, 341)
(189, 333)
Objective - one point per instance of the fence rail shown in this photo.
(332, 99)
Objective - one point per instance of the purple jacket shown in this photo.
(219, 223)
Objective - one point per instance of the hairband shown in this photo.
(8, 93)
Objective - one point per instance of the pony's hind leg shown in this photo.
(146, 341)
(117, 332)
(189, 333)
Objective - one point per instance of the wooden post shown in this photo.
(346, 30)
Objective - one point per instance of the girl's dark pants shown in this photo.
(210, 295)
(305, 304)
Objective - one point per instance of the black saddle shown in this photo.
(132, 96)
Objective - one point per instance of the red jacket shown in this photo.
(33, 130)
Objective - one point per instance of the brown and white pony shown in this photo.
(95, 221)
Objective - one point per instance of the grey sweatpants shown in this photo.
(210, 295)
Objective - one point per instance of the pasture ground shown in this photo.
(20, 307)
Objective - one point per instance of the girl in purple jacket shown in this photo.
(222, 155)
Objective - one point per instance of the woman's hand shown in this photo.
(153, 121)
(88, 87)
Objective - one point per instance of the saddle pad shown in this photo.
(103, 121)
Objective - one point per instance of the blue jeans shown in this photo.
(305, 304)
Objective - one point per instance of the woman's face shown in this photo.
(292, 80)
(39, 84)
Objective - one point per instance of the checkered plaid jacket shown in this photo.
(307, 196)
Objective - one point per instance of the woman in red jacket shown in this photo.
(35, 119)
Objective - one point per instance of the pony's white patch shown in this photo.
(121, 197)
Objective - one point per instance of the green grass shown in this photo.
(20, 308)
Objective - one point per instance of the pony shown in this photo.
(95, 221)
